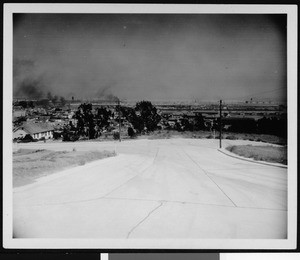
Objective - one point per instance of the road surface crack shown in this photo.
(139, 173)
(209, 177)
(138, 224)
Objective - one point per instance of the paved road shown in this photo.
(175, 188)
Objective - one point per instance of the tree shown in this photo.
(178, 126)
(23, 104)
(54, 99)
(147, 116)
(133, 118)
(68, 135)
(241, 125)
(62, 100)
(85, 121)
(57, 135)
(102, 117)
(273, 125)
(185, 123)
(199, 122)
(30, 104)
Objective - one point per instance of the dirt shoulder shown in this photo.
(30, 164)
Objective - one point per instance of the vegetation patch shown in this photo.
(167, 134)
(30, 164)
(261, 153)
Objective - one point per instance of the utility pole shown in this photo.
(119, 120)
(220, 123)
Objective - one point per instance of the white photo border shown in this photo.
(219, 244)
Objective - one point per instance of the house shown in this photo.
(36, 130)
(19, 133)
(18, 113)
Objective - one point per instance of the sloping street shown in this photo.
(171, 188)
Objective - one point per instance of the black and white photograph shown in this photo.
(150, 126)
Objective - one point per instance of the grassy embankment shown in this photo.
(30, 164)
(274, 154)
(165, 134)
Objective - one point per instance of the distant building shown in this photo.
(36, 130)
(19, 113)
(70, 115)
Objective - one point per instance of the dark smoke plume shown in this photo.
(27, 83)
(30, 88)
(104, 93)
(111, 97)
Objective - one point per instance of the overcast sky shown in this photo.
(150, 57)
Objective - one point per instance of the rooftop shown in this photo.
(34, 128)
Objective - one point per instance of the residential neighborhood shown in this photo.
(49, 121)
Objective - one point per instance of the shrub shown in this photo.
(81, 162)
(231, 137)
(130, 132)
(116, 135)
(27, 138)
(74, 138)
(57, 135)
(83, 138)
(70, 137)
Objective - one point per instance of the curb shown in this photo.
(222, 150)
